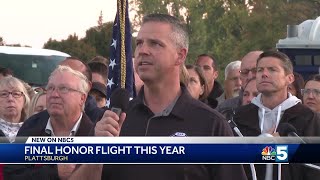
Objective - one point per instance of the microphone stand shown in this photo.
(233, 125)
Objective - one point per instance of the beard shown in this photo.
(236, 93)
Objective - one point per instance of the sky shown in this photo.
(33, 22)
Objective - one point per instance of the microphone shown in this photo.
(119, 101)
(229, 113)
(286, 129)
(234, 126)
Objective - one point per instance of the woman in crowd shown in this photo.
(250, 91)
(295, 87)
(197, 84)
(38, 103)
(14, 102)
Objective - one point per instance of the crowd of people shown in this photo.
(259, 92)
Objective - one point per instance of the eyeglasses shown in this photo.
(245, 72)
(315, 92)
(15, 94)
(61, 89)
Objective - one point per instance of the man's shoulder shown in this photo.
(298, 108)
(203, 116)
(201, 107)
(230, 103)
(193, 108)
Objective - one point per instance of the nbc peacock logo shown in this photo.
(269, 153)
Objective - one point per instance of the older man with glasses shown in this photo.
(67, 91)
(311, 93)
(248, 70)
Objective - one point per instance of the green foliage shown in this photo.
(73, 46)
(96, 42)
(229, 29)
(100, 38)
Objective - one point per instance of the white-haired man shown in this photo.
(232, 82)
(67, 91)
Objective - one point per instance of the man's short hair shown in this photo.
(231, 66)
(286, 62)
(214, 60)
(179, 33)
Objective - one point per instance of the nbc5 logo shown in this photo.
(282, 153)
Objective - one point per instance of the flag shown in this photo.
(121, 67)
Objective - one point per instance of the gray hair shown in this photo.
(84, 83)
(179, 33)
(15, 83)
(231, 66)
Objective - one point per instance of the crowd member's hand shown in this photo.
(110, 124)
(65, 170)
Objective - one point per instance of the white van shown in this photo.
(30, 64)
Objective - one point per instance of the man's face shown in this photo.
(233, 83)
(209, 71)
(248, 67)
(156, 55)
(311, 95)
(271, 76)
(64, 103)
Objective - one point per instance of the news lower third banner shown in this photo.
(157, 150)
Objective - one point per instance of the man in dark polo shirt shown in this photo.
(163, 108)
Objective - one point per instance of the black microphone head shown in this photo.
(284, 129)
(120, 99)
(227, 112)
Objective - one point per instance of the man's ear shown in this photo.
(202, 90)
(90, 85)
(215, 75)
(83, 99)
(290, 78)
(182, 54)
